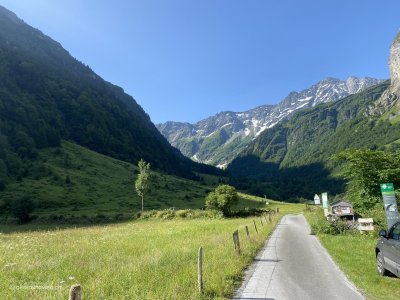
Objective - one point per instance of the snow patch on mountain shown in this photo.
(198, 141)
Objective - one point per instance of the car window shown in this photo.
(395, 232)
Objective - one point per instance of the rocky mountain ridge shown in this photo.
(219, 139)
(295, 158)
(389, 101)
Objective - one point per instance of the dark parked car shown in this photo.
(388, 251)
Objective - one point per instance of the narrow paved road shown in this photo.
(294, 265)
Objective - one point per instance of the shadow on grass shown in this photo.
(36, 227)
(244, 202)
(59, 222)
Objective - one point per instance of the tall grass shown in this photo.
(147, 259)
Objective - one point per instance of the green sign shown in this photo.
(387, 189)
(325, 200)
(390, 204)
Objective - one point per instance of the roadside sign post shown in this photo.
(325, 203)
(390, 204)
(317, 200)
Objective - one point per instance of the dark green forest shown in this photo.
(47, 96)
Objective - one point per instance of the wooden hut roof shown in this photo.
(341, 203)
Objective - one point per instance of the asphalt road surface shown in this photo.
(294, 265)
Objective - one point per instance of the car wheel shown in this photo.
(380, 264)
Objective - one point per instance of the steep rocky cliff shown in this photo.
(389, 101)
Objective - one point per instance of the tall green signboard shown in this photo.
(389, 201)
(325, 204)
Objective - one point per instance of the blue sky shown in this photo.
(186, 60)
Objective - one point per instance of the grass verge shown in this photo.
(355, 255)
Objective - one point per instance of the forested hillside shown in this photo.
(47, 96)
(293, 159)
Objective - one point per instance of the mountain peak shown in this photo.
(205, 141)
(330, 79)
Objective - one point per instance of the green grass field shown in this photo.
(132, 259)
(146, 259)
(355, 255)
(102, 189)
(100, 186)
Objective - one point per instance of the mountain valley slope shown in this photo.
(217, 140)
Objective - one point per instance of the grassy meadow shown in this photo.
(154, 258)
(355, 255)
(145, 259)
(101, 189)
(98, 187)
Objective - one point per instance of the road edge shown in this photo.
(348, 282)
(249, 270)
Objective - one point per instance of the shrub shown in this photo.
(378, 214)
(145, 214)
(247, 212)
(222, 199)
(21, 208)
(183, 213)
(321, 225)
(168, 214)
(196, 213)
(340, 226)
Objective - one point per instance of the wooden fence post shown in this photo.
(200, 270)
(265, 218)
(247, 231)
(269, 217)
(75, 292)
(236, 241)
(261, 222)
(255, 226)
(277, 209)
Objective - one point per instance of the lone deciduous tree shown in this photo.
(142, 181)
